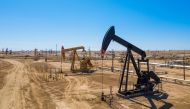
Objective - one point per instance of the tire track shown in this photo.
(12, 94)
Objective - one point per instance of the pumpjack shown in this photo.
(146, 80)
(85, 63)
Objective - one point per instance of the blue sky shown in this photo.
(148, 24)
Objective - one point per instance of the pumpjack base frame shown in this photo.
(135, 93)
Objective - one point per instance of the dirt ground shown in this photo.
(28, 84)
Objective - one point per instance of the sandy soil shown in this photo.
(19, 92)
(29, 85)
(4, 67)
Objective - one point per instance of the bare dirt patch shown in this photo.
(4, 68)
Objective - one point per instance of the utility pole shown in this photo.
(113, 56)
(46, 56)
(62, 48)
(56, 50)
(184, 66)
(89, 53)
(61, 64)
(96, 60)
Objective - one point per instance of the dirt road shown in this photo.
(13, 93)
(19, 92)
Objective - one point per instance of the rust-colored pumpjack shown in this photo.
(84, 63)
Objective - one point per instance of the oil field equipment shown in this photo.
(36, 55)
(146, 80)
(85, 63)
